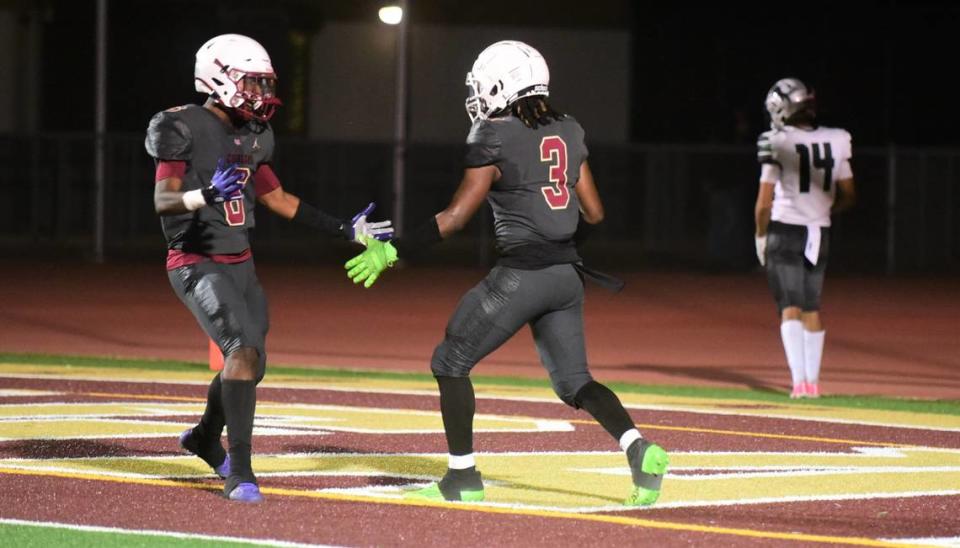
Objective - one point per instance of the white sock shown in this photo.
(791, 332)
(460, 462)
(629, 437)
(813, 353)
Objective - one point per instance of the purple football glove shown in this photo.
(224, 183)
(360, 230)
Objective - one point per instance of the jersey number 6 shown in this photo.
(554, 150)
(233, 209)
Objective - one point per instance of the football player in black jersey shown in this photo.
(530, 162)
(212, 167)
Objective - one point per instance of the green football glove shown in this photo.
(367, 266)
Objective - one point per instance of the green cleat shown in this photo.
(648, 463)
(456, 485)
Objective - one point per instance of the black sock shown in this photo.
(605, 407)
(457, 405)
(212, 422)
(239, 405)
(204, 440)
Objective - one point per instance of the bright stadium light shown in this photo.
(391, 15)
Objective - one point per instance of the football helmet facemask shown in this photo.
(786, 98)
(504, 72)
(236, 71)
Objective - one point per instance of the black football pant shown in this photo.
(550, 300)
(231, 308)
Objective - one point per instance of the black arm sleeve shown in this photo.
(419, 239)
(308, 215)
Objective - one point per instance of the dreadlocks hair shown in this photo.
(534, 111)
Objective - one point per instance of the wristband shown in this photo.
(422, 237)
(194, 200)
(308, 215)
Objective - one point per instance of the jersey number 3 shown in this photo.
(824, 162)
(554, 150)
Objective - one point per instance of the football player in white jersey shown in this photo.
(805, 177)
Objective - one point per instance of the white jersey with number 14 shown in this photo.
(805, 165)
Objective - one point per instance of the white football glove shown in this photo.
(761, 242)
(362, 230)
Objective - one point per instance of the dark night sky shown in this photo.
(878, 67)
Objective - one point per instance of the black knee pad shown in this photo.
(568, 387)
(450, 361)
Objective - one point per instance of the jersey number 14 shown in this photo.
(819, 161)
(553, 149)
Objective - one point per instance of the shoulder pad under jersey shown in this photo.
(483, 144)
(168, 136)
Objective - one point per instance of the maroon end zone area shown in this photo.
(197, 507)
(314, 521)
(890, 336)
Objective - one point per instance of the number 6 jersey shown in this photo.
(805, 164)
(195, 136)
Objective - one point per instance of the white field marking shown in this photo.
(797, 472)
(375, 492)
(889, 452)
(261, 431)
(831, 420)
(267, 419)
(528, 399)
(950, 542)
(551, 425)
(151, 533)
(92, 416)
(17, 392)
(209, 473)
(179, 408)
(854, 453)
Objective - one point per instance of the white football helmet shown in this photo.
(787, 97)
(236, 71)
(504, 72)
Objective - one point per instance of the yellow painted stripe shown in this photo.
(140, 396)
(601, 518)
(574, 421)
(757, 434)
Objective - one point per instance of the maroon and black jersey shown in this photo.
(534, 201)
(194, 139)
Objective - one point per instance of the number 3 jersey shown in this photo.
(197, 138)
(805, 165)
(534, 201)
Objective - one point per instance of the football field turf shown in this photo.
(89, 456)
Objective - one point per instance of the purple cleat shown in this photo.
(246, 492)
(224, 469)
(190, 445)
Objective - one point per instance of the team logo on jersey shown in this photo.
(256, 145)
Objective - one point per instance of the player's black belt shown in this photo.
(542, 255)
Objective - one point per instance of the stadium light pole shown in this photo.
(100, 126)
(398, 15)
